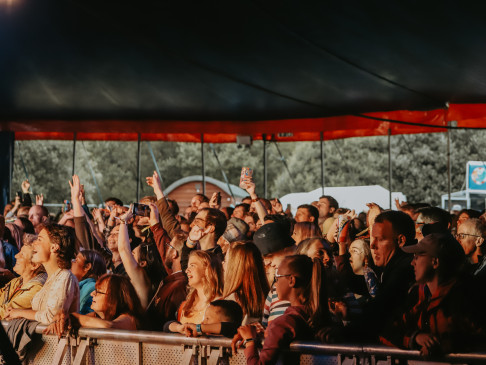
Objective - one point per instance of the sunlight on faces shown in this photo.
(357, 257)
(323, 206)
(41, 248)
(468, 243)
(462, 218)
(239, 212)
(383, 243)
(35, 215)
(316, 250)
(24, 260)
(112, 241)
(195, 272)
(302, 215)
(100, 301)
(78, 267)
(251, 223)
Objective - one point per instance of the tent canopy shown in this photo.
(172, 70)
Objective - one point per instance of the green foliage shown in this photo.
(419, 165)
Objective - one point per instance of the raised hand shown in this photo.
(155, 182)
(154, 215)
(215, 202)
(276, 205)
(75, 189)
(25, 186)
(39, 199)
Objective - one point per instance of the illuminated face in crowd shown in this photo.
(384, 243)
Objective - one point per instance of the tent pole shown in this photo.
(92, 173)
(138, 165)
(222, 172)
(74, 152)
(322, 162)
(264, 136)
(155, 163)
(203, 166)
(389, 167)
(449, 168)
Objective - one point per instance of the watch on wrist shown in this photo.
(199, 330)
(247, 341)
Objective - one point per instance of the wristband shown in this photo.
(255, 200)
(199, 330)
(190, 243)
(248, 340)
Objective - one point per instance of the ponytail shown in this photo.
(311, 274)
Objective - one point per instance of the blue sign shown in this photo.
(476, 176)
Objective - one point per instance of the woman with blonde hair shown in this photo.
(245, 281)
(205, 280)
(303, 230)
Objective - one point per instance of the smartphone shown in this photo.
(141, 210)
(67, 206)
(218, 198)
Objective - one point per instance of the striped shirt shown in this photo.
(274, 307)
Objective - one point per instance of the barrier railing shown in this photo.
(119, 347)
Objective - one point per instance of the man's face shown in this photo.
(423, 266)
(467, 238)
(324, 209)
(195, 202)
(303, 215)
(36, 216)
(109, 205)
(384, 243)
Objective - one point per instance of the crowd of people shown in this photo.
(411, 277)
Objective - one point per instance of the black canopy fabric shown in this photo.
(183, 61)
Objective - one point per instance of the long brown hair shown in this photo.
(213, 280)
(310, 276)
(245, 277)
(121, 296)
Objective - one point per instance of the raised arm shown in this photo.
(169, 223)
(260, 209)
(136, 273)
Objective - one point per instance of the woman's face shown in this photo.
(100, 300)
(357, 257)
(195, 272)
(112, 241)
(24, 261)
(316, 250)
(78, 267)
(297, 236)
(41, 252)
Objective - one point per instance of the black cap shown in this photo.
(272, 237)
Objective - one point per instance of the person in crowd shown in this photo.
(111, 202)
(471, 235)
(316, 247)
(300, 281)
(223, 317)
(8, 250)
(25, 225)
(172, 289)
(241, 210)
(445, 318)
(207, 227)
(466, 214)
(205, 279)
(307, 213)
(304, 230)
(88, 266)
(115, 305)
(144, 267)
(274, 243)
(14, 234)
(327, 206)
(432, 215)
(390, 231)
(55, 248)
(253, 223)
(236, 230)
(38, 215)
(244, 279)
(18, 292)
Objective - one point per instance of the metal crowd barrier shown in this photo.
(119, 347)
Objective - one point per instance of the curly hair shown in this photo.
(65, 238)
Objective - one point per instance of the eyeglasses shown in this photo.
(355, 251)
(170, 246)
(98, 292)
(461, 236)
(277, 276)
